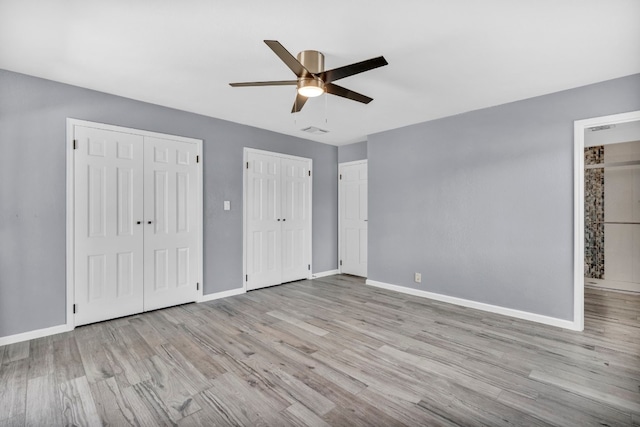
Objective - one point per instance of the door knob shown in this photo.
(138, 222)
(284, 219)
(148, 222)
(278, 219)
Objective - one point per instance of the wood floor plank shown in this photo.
(614, 396)
(16, 421)
(147, 406)
(43, 405)
(110, 404)
(67, 361)
(300, 415)
(77, 403)
(16, 351)
(168, 391)
(13, 389)
(293, 389)
(298, 322)
(41, 357)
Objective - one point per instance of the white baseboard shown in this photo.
(223, 294)
(553, 321)
(324, 274)
(31, 335)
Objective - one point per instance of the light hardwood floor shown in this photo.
(332, 351)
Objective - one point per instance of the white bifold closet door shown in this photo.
(136, 234)
(353, 218)
(278, 219)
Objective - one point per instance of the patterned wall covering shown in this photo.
(594, 214)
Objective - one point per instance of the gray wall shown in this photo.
(482, 203)
(352, 152)
(33, 116)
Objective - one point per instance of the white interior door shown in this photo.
(295, 219)
(171, 244)
(263, 219)
(108, 242)
(353, 218)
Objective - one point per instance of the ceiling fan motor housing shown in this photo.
(313, 61)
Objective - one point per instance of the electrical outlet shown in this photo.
(418, 278)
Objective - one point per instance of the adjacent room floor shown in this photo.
(330, 351)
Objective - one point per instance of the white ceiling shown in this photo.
(445, 56)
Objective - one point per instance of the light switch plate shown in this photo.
(227, 205)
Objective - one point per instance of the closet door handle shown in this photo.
(278, 219)
(284, 219)
(148, 222)
(138, 222)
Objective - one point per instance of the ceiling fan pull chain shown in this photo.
(326, 102)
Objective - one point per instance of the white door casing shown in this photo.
(579, 128)
(171, 232)
(353, 217)
(277, 241)
(119, 180)
(108, 240)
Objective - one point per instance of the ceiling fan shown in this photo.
(312, 79)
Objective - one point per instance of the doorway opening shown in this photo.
(596, 134)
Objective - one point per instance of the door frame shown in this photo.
(579, 128)
(245, 159)
(70, 194)
(340, 190)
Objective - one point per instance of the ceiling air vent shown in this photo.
(605, 127)
(314, 130)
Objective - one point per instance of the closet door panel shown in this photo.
(263, 236)
(295, 219)
(108, 241)
(170, 211)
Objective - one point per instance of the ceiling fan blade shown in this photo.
(298, 103)
(334, 89)
(273, 83)
(286, 57)
(349, 70)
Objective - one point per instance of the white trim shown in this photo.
(71, 123)
(103, 126)
(579, 127)
(245, 159)
(553, 321)
(223, 294)
(351, 163)
(324, 274)
(37, 333)
(70, 226)
(200, 220)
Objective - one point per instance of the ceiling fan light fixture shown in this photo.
(310, 88)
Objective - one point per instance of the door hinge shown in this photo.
(197, 159)
(74, 309)
(340, 262)
(247, 165)
(197, 286)
(75, 144)
(246, 277)
(340, 176)
(309, 267)
(309, 173)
